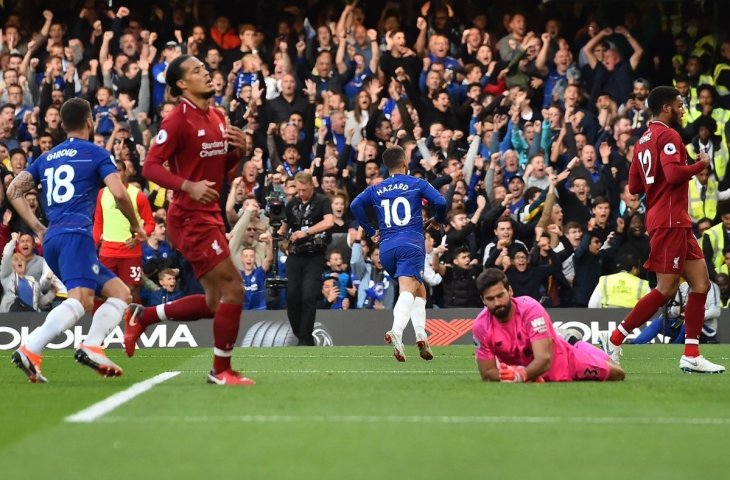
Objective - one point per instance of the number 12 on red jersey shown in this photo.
(646, 165)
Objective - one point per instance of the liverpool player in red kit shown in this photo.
(194, 140)
(659, 169)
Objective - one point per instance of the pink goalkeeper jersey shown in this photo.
(511, 342)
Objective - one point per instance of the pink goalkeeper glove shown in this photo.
(508, 373)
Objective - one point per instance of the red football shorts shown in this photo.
(129, 270)
(200, 237)
(669, 248)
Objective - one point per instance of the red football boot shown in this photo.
(133, 328)
(229, 377)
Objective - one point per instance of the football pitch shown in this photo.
(356, 413)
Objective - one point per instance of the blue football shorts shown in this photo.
(404, 261)
(72, 256)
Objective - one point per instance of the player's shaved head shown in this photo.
(75, 114)
(661, 96)
(175, 73)
(394, 158)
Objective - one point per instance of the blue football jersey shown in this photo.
(71, 175)
(398, 201)
(254, 286)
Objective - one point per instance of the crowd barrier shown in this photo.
(271, 328)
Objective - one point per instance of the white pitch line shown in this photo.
(430, 419)
(108, 404)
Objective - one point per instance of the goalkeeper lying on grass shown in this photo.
(516, 342)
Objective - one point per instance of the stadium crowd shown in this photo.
(524, 118)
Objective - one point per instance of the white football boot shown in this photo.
(604, 340)
(699, 365)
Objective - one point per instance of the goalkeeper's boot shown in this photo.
(424, 349)
(570, 335)
(399, 352)
(604, 340)
(699, 365)
(94, 357)
(229, 377)
(29, 363)
(133, 328)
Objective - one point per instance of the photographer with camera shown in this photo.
(308, 217)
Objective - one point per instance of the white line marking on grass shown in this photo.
(435, 419)
(107, 405)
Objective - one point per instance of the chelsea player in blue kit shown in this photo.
(398, 203)
(70, 175)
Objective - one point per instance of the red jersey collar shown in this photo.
(659, 121)
(192, 105)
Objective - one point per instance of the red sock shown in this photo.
(694, 317)
(225, 331)
(98, 302)
(192, 307)
(639, 315)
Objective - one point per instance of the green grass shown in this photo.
(348, 413)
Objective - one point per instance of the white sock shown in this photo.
(418, 317)
(160, 309)
(107, 316)
(402, 312)
(59, 319)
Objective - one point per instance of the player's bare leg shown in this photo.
(412, 297)
(401, 315)
(134, 289)
(418, 320)
(695, 271)
(107, 316)
(667, 285)
(224, 295)
(137, 318)
(29, 356)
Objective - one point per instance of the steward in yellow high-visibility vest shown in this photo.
(706, 104)
(622, 289)
(712, 145)
(721, 77)
(702, 196)
(724, 268)
(714, 243)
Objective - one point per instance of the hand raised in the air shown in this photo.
(201, 191)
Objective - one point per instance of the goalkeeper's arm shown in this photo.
(542, 352)
(488, 370)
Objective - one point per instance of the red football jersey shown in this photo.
(194, 143)
(666, 203)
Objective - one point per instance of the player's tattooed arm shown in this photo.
(20, 185)
(16, 195)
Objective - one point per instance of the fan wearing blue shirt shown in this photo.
(397, 202)
(254, 277)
